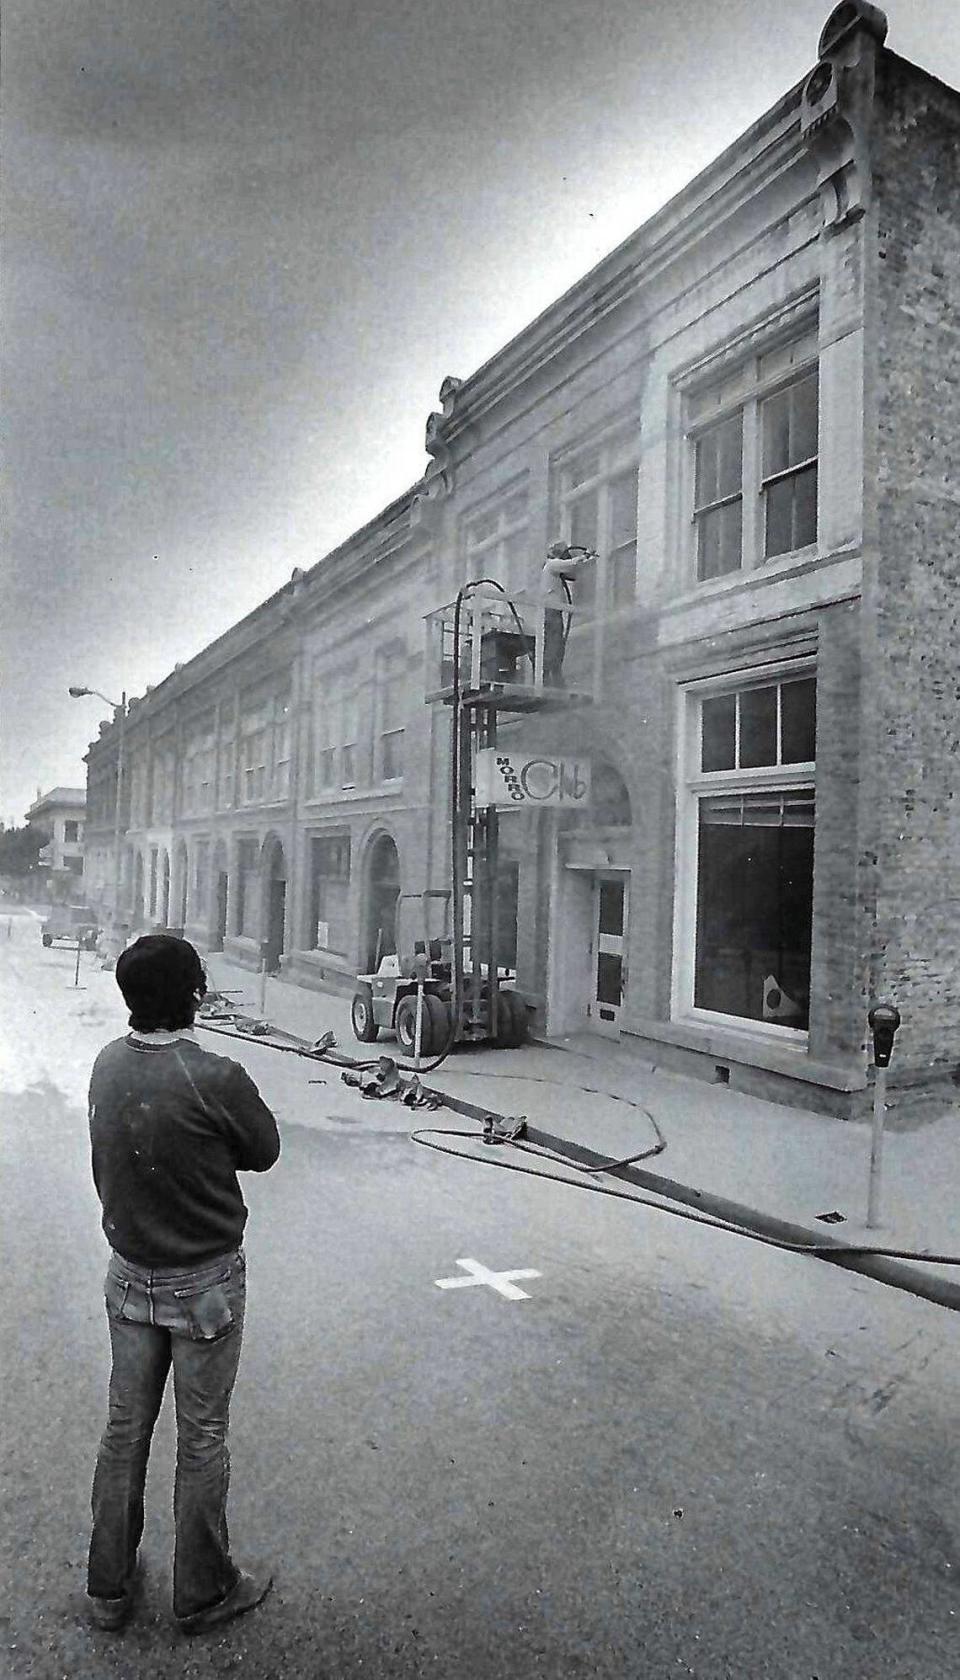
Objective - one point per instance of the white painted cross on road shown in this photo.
(500, 1281)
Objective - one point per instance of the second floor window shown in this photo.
(391, 731)
(755, 443)
(496, 542)
(597, 506)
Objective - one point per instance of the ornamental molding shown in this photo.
(836, 110)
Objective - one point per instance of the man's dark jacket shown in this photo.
(171, 1125)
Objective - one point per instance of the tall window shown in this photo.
(496, 543)
(747, 826)
(598, 509)
(329, 924)
(71, 832)
(198, 762)
(254, 750)
(282, 733)
(755, 439)
(390, 724)
(348, 741)
(245, 897)
(201, 877)
(226, 756)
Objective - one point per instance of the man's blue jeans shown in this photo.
(192, 1320)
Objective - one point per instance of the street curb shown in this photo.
(897, 1274)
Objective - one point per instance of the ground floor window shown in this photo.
(507, 887)
(328, 927)
(201, 873)
(248, 874)
(755, 906)
(747, 821)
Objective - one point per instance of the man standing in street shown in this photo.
(171, 1125)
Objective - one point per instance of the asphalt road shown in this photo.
(668, 1459)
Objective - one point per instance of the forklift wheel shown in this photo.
(361, 1016)
(433, 1027)
(511, 1020)
(45, 937)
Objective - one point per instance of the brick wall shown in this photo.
(912, 693)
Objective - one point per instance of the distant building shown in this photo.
(61, 813)
(751, 411)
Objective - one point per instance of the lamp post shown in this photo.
(77, 693)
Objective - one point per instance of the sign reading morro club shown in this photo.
(515, 778)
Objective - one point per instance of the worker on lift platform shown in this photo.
(556, 579)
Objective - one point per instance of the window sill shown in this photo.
(347, 796)
(734, 1044)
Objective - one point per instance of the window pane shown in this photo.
(611, 907)
(583, 521)
(758, 727)
(779, 500)
(754, 914)
(805, 508)
(623, 509)
(798, 721)
(719, 731)
(706, 462)
(622, 569)
(730, 455)
(585, 466)
(719, 540)
(803, 422)
(776, 433)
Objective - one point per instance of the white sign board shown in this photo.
(510, 779)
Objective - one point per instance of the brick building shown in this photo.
(751, 412)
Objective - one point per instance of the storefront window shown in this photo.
(747, 837)
(328, 928)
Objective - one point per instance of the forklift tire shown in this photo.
(512, 1021)
(433, 1026)
(439, 1013)
(361, 1017)
(45, 937)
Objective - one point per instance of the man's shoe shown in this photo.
(111, 1614)
(249, 1591)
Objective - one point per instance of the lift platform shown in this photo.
(504, 656)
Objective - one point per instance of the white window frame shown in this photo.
(742, 386)
(489, 555)
(693, 785)
(389, 708)
(619, 454)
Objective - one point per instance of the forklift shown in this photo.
(487, 654)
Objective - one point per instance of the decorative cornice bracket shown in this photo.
(836, 109)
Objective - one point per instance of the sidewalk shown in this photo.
(784, 1162)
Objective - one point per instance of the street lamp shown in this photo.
(77, 693)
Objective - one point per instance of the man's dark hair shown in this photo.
(162, 980)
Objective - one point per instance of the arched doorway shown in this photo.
(220, 880)
(274, 873)
(381, 891)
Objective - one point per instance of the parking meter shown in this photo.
(883, 1019)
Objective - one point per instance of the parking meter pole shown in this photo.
(263, 979)
(76, 975)
(418, 1030)
(884, 1019)
(876, 1148)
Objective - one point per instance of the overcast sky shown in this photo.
(246, 239)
